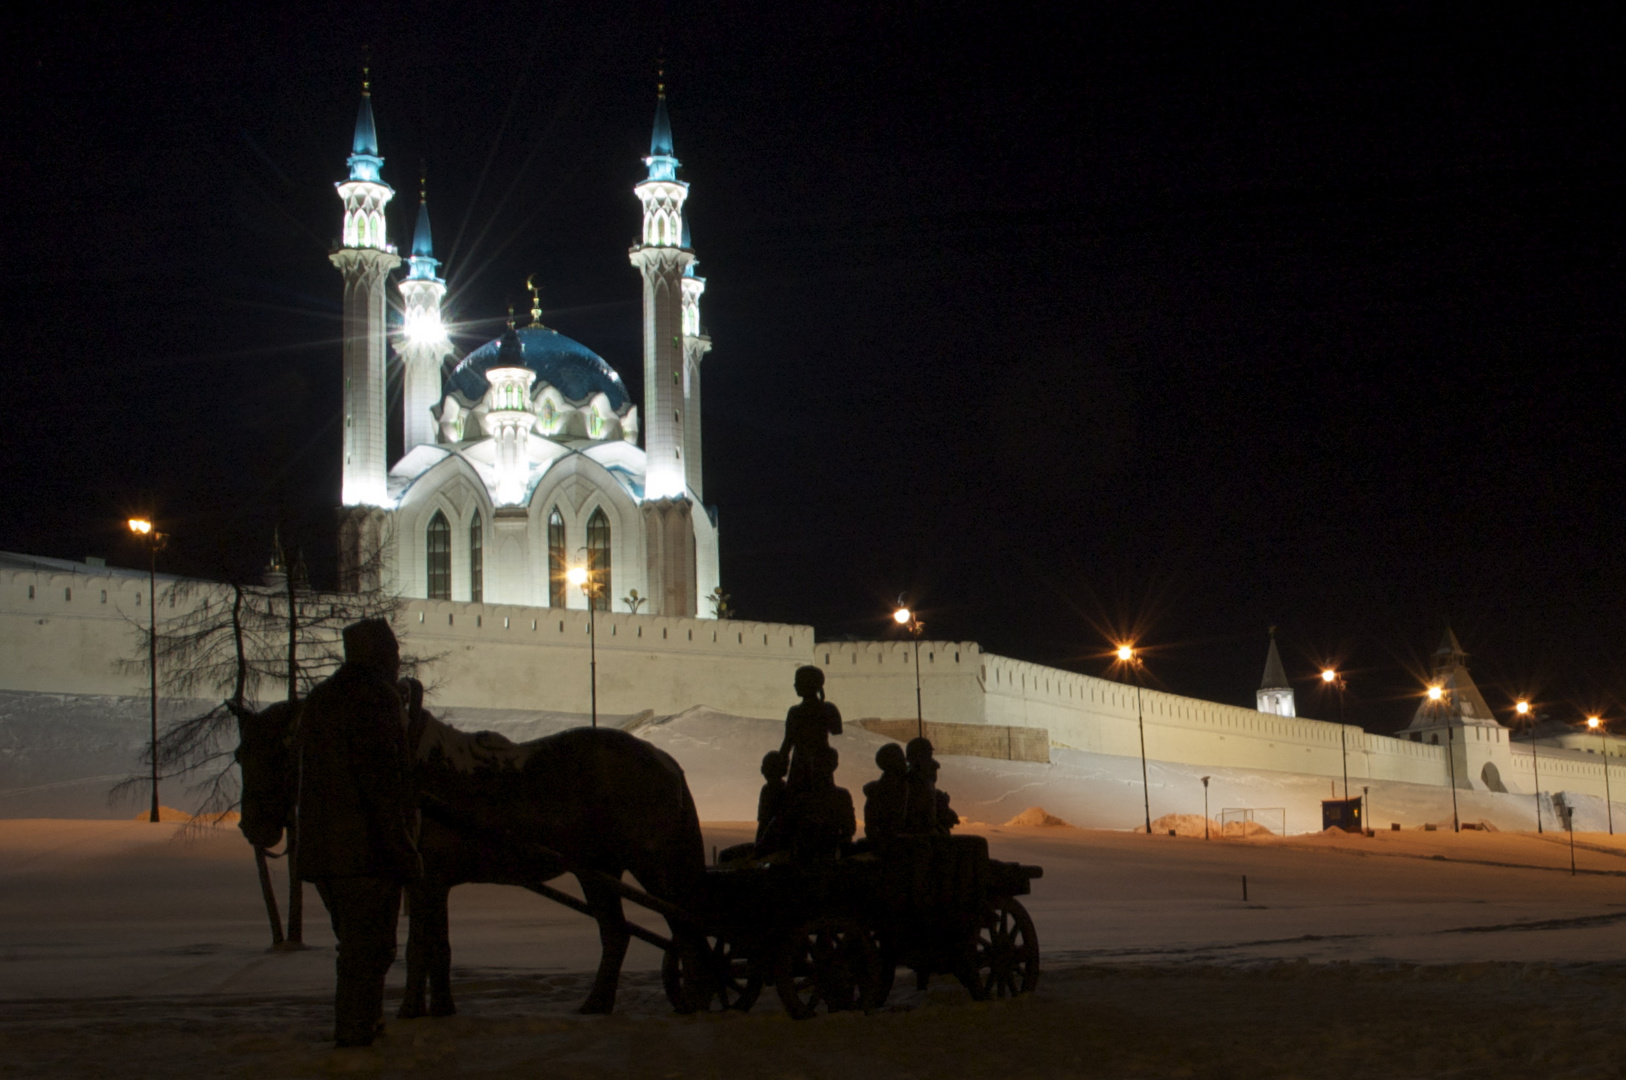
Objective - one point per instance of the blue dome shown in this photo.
(577, 371)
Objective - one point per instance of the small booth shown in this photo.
(1342, 814)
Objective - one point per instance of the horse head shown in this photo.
(266, 755)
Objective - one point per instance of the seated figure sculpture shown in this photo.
(886, 800)
(821, 819)
(927, 811)
(771, 805)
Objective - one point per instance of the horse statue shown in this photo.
(595, 802)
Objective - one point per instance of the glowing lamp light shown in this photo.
(1329, 675)
(577, 576)
(1592, 722)
(902, 616)
(140, 526)
(424, 328)
(1435, 693)
(1521, 707)
(1126, 653)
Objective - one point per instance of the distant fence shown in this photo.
(995, 741)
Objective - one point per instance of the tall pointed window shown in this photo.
(477, 568)
(598, 558)
(439, 547)
(556, 559)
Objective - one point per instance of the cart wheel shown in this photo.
(719, 978)
(830, 962)
(1003, 956)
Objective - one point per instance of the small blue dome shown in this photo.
(574, 369)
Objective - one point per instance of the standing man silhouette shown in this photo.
(358, 819)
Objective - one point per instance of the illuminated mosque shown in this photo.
(522, 459)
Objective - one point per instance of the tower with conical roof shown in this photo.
(423, 344)
(365, 258)
(1275, 692)
(671, 392)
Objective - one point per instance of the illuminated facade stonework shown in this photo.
(523, 457)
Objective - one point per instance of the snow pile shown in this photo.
(1197, 825)
(59, 755)
(1038, 816)
(169, 813)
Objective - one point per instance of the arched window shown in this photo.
(439, 548)
(598, 558)
(477, 583)
(556, 559)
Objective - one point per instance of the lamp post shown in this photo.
(582, 578)
(143, 530)
(1596, 724)
(1205, 807)
(1522, 707)
(910, 621)
(1436, 694)
(1330, 677)
(1126, 655)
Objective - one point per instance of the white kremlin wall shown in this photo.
(63, 631)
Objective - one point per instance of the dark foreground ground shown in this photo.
(1278, 1020)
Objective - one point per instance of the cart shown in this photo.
(833, 934)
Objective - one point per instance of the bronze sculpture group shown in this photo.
(389, 798)
(803, 816)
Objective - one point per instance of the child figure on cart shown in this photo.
(808, 727)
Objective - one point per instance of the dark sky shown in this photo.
(1191, 318)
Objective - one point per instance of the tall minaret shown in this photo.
(1275, 692)
(423, 343)
(663, 259)
(695, 347)
(365, 259)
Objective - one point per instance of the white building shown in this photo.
(522, 458)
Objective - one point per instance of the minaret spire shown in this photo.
(364, 257)
(671, 392)
(423, 344)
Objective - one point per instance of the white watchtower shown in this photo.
(1275, 692)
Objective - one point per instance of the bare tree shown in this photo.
(239, 639)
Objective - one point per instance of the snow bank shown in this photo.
(1038, 816)
(59, 755)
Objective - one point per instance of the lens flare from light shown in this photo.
(902, 616)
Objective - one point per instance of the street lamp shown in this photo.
(155, 540)
(1522, 707)
(910, 621)
(1596, 724)
(1126, 656)
(579, 576)
(1330, 677)
(1205, 806)
(1436, 694)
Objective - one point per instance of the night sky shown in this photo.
(1178, 319)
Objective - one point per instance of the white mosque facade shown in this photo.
(522, 459)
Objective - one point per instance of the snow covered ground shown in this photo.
(59, 754)
(139, 949)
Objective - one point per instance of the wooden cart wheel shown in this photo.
(713, 980)
(1003, 958)
(830, 962)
